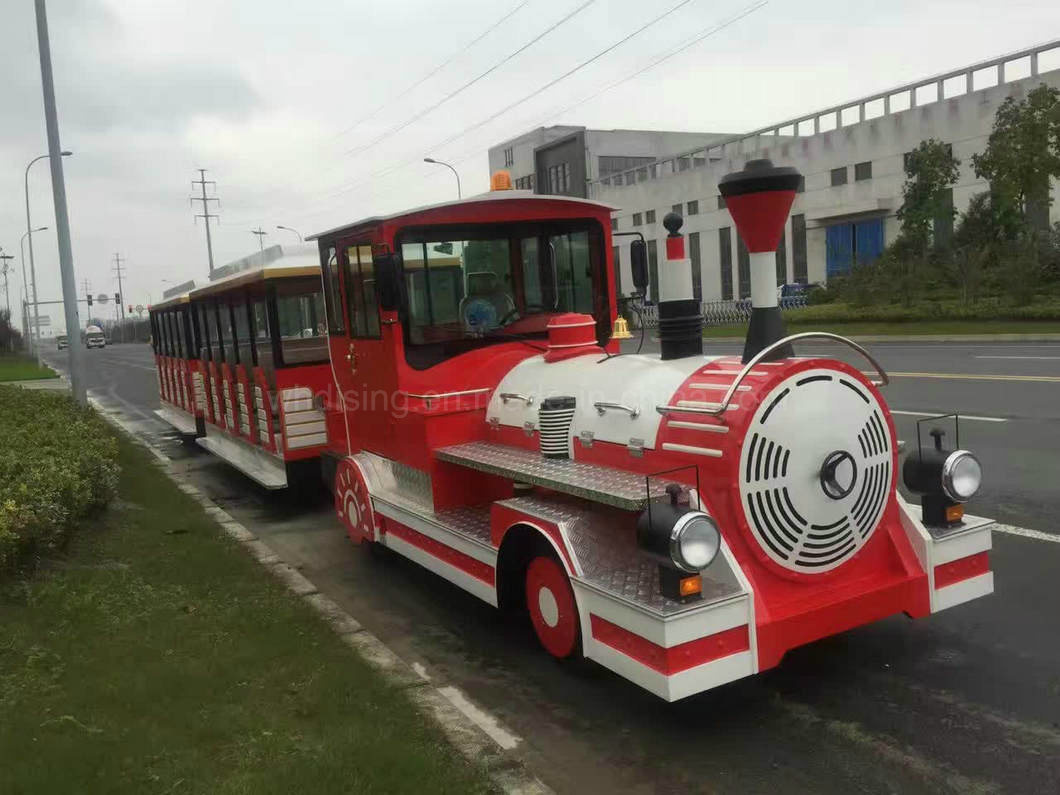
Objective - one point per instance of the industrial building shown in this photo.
(851, 155)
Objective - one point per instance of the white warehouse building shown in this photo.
(851, 156)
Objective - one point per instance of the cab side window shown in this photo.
(333, 292)
(362, 302)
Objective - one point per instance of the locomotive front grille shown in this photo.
(554, 419)
(816, 470)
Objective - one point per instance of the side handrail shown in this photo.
(602, 407)
(506, 396)
(762, 354)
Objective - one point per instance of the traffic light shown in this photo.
(117, 298)
(131, 309)
(89, 299)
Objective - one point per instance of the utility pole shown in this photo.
(62, 220)
(5, 269)
(118, 271)
(206, 215)
(261, 237)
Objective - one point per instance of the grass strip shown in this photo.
(15, 367)
(155, 655)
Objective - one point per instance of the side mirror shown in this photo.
(387, 281)
(638, 264)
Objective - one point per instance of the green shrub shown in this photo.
(58, 465)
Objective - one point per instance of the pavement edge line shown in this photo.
(472, 741)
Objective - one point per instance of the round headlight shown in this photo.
(694, 541)
(962, 475)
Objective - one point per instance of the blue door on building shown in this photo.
(845, 244)
(839, 249)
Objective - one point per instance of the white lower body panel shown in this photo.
(260, 466)
(179, 419)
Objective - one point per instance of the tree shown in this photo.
(930, 170)
(1023, 152)
(10, 339)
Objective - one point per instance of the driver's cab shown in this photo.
(427, 310)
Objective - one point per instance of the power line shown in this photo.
(699, 37)
(434, 71)
(696, 38)
(206, 215)
(399, 127)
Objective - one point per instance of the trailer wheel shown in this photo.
(550, 601)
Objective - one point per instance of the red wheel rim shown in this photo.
(352, 504)
(550, 601)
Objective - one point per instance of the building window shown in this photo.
(725, 261)
(649, 217)
(614, 223)
(509, 157)
(559, 178)
(693, 208)
(798, 248)
(801, 187)
(721, 202)
(676, 208)
(609, 164)
(637, 219)
(525, 183)
(697, 273)
(743, 268)
(782, 258)
(653, 271)
(618, 180)
(863, 171)
(839, 176)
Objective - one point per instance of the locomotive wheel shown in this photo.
(550, 600)
(352, 503)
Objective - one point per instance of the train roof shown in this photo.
(492, 196)
(304, 261)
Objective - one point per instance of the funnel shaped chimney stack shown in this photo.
(759, 198)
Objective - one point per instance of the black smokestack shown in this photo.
(680, 318)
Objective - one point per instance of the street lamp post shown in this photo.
(288, 229)
(25, 284)
(29, 231)
(459, 195)
(62, 219)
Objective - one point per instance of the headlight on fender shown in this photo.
(694, 541)
(962, 474)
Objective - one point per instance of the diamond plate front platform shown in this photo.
(606, 551)
(626, 490)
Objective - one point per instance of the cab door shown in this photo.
(362, 360)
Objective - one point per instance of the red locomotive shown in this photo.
(681, 519)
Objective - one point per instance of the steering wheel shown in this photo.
(512, 313)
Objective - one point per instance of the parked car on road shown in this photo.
(62, 342)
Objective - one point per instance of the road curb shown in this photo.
(506, 772)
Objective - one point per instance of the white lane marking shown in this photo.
(935, 414)
(480, 718)
(1038, 535)
(1018, 357)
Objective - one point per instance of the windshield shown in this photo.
(473, 286)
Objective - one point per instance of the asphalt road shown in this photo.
(964, 701)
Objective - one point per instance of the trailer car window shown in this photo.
(300, 321)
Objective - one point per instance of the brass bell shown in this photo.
(621, 330)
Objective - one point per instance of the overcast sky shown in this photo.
(271, 96)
